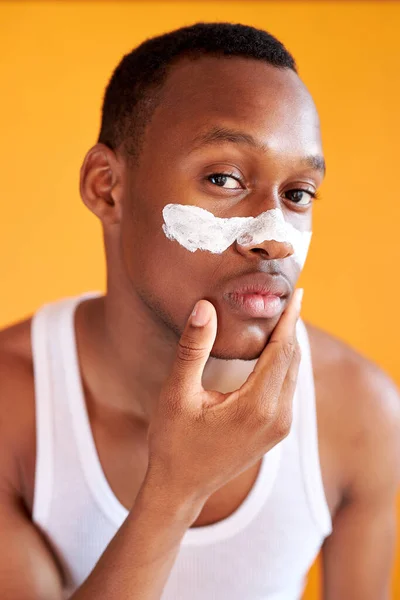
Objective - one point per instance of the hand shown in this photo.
(200, 439)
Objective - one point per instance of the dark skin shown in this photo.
(153, 284)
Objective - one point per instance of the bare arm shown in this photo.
(27, 568)
(358, 556)
(138, 560)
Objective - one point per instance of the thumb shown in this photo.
(194, 348)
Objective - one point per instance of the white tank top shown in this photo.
(262, 551)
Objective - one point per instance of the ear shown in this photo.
(101, 184)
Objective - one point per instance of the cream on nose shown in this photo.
(195, 228)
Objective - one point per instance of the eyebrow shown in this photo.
(218, 135)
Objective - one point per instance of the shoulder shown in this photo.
(17, 408)
(358, 385)
(16, 368)
(359, 405)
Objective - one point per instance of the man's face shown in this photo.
(197, 151)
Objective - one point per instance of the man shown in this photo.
(149, 452)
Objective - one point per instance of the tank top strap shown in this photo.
(307, 434)
(55, 447)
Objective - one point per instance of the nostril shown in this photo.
(260, 250)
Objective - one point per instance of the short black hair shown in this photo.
(134, 88)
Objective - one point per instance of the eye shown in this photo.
(220, 179)
(300, 197)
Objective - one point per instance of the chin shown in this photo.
(236, 355)
(244, 347)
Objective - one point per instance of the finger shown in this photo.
(194, 349)
(271, 368)
(272, 398)
(285, 402)
(267, 391)
(282, 342)
(287, 323)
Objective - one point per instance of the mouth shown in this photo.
(258, 295)
(265, 306)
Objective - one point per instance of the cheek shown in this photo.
(168, 275)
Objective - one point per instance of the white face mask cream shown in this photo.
(197, 229)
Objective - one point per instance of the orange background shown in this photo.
(56, 58)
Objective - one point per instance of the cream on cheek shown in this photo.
(197, 229)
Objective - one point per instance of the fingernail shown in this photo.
(200, 315)
(299, 298)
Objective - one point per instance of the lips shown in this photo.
(257, 295)
(262, 284)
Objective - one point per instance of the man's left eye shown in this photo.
(301, 197)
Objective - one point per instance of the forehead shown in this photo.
(271, 104)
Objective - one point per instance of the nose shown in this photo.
(268, 249)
